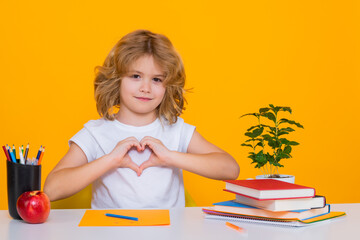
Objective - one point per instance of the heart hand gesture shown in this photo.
(158, 158)
(159, 155)
(121, 157)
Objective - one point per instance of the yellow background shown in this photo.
(238, 55)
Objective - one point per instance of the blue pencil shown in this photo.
(14, 150)
(38, 155)
(8, 149)
(12, 156)
(121, 216)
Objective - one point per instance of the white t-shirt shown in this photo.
(157, 187)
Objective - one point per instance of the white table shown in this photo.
(187, 223)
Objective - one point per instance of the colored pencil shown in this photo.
(14, 151)
(121, 216)
(41, 155)
(6, 153)
(39, 152)
(26, 152)
(22, 161)
(7, 148)
(12, 156)
(237, 228)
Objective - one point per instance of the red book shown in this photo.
(268, 189)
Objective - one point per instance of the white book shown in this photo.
(284, 204)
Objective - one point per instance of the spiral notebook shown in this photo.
(290, 222)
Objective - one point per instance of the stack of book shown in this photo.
(273, 202)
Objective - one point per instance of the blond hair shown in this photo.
(125, 52)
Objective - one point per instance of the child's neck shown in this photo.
(135, 120)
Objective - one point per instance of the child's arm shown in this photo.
(74, 173)
(202, 158)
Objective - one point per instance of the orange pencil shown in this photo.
(41, 155)
(237, 228)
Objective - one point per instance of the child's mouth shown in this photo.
(143, 99)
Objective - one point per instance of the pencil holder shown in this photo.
(21, 178)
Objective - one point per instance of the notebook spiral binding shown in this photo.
(252, 219)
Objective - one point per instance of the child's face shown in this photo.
(142, 88)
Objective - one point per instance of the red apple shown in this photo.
(33, 206)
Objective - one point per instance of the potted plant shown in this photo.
(267, 141)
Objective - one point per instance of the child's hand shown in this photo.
(120, 157)
(159, 156)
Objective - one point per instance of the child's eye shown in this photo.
(157, 79)
(135, 76)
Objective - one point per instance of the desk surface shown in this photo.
(187, 223)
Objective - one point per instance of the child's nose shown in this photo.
(145, 86)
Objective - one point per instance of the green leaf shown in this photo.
(253, 140)
(272, 143)
(259, 144)
(277, 144)
(272, 133)
(251, 128)
(271, 160)
(246, 145)
(270, 157)
(270, 116)
(284, 141)
(273, 129)
(253, 134)
(278, 164)
(251, 114)
(288, 129)
(286, 109)
(284, 120)
(281, 156)
(287, 149)
(260, 157)
(265, 126)
(259, 165)
(267, 137)
(257, 132)
(293, 143)
(282, 133)
(277, 109)
(252, 156)
(249, 134)
(264, 110)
